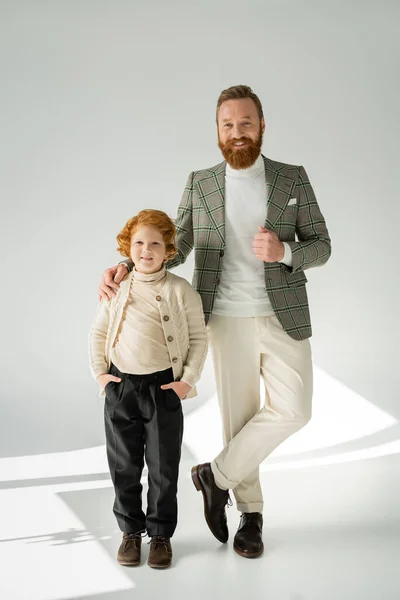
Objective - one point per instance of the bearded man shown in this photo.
(255, 226)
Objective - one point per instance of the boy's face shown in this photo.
(147, 249)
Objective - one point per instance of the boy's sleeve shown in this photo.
(198, 341)
(97, 340)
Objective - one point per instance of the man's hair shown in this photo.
(149, 218)
(237, 92)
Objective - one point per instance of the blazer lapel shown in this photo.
(212, 195)
(279, 190)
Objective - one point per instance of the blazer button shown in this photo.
(158, 298)
(174, 360)
(170, 338)
(166, 318)
(221, 253)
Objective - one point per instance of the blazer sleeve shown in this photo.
(184, 226)
(313, 247)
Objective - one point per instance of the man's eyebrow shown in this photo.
(224, 120)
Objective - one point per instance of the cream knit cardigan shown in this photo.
(182, 319)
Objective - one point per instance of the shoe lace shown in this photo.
(158, 540)
(127, 538)
(225, 502)
(250, 518)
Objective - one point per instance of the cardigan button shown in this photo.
(166, 318)
(174, 360)
(170, 338)
(158, 298)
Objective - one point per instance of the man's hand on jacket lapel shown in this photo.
(267, 246)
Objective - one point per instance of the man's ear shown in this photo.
(263, 125)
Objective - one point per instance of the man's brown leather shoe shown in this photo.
(248, 539)
(215, 501)
(160, 555)
(129, 550)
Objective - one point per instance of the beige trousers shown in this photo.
(242, 350)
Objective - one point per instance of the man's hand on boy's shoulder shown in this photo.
(180, 388)
(110, 280)
(105, 378)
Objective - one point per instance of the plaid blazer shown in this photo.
(200, 225)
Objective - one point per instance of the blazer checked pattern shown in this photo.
(292, 213)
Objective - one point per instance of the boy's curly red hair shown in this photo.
(149, 218)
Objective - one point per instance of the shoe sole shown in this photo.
(128, 564)
(159, 566)
(248, 554)
(199, 488)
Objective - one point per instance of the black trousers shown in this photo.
(142, 421)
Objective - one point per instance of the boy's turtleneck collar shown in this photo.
(149, 277)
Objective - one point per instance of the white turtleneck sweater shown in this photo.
(140, 345)
(241, 292)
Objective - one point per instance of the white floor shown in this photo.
(332, 522)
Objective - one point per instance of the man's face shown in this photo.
(240, 132)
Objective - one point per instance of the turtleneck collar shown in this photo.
(149, 277)
(252, 171)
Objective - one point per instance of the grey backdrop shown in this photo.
(105, 109)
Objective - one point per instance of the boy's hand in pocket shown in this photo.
(180, 388)
(105, 378)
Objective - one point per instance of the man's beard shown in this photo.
(241, 158)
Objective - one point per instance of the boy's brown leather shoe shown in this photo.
(129, 550)
(160, 555)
